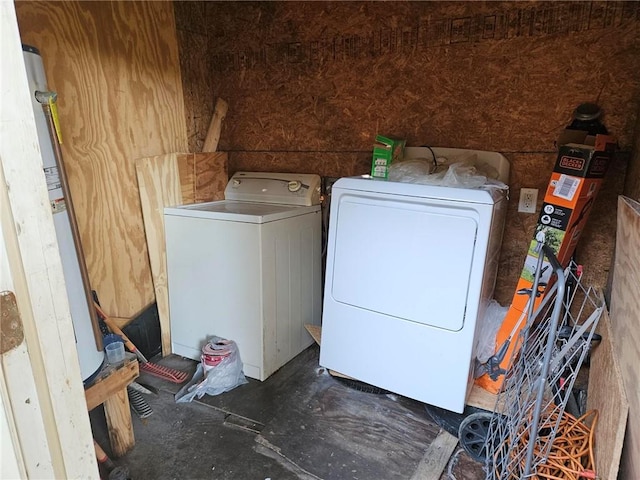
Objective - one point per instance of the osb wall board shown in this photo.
(309, 84)
(597, 245)
(115, 67)
(632, 185)
(502, 76)
(194, 64)
(625, 324)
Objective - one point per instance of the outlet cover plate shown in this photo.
(528, 200)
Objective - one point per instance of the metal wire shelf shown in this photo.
(531, 407)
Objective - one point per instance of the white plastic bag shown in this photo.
(214, 378)
(491, 323)
(463, 175)
(462, 171)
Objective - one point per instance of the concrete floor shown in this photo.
(301, 423)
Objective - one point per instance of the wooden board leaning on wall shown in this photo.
(608, 397)
(115, 67)
(625, 324)
(167, 181)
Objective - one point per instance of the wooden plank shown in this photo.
(159, 184)
(121, 322)
(118, 416)
(479, 397)
(42, 375)
(203, 176)
(115, 67)
(212, 175)
(436, 457)
(166, 181)
(315, 331)
(625, 324)
(213, 134)
(12, 460)
(186, 178)
(607, 395)
(27, 426)
(117, 380)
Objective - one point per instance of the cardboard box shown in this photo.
(581, 164)
(386, 150)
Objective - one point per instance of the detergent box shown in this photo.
(385, 151)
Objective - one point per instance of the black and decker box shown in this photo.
(581, 164)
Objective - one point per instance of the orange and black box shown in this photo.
(582, 163)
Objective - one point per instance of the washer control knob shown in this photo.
(295, 185)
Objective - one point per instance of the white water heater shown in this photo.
(89, 355)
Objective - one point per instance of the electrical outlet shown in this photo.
(528, 200)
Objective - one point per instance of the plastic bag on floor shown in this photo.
(219, 371)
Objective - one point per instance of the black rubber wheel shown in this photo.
(448, 420)
(473, 434)
(360, 386)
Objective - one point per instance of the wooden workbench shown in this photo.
(110, 389)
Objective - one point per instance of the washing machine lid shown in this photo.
(247, 212)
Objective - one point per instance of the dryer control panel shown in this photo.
(266, 187)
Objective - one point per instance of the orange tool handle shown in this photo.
(102, 456)
(115, 329)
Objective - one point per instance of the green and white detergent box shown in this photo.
(385, 151)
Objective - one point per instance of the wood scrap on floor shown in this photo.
(436, 457)
(316, 333)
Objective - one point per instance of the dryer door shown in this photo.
(404, 257)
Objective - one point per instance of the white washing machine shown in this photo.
(410, 270)
(247, 268)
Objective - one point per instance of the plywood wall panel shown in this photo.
(116, 70)
(632, 185)
(211, 176)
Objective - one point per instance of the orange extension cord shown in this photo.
(571, 456)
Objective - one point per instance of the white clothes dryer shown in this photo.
(410, 271)
(247, 268)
